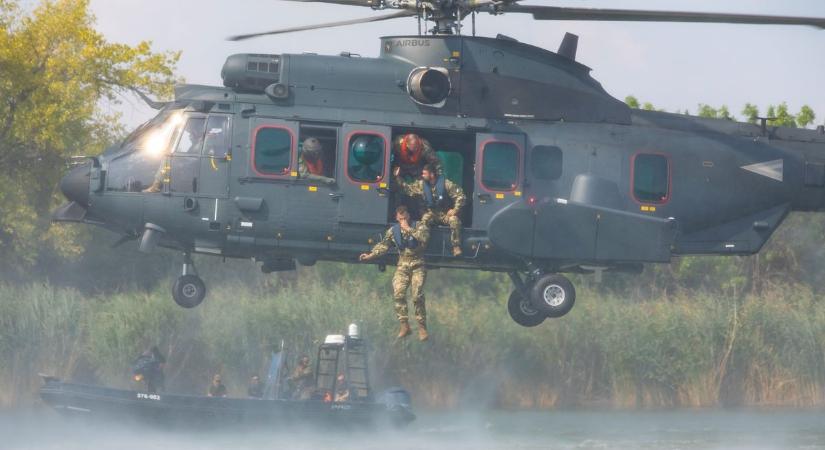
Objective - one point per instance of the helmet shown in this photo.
(409, 148)
(367, 150)
(311, 148)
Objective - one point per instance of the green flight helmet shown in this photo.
(367, 150)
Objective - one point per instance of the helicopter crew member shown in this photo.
(412, 151)
(311, 161)
(437, 193)
(411, 241)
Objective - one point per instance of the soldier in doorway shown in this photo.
(441, 199)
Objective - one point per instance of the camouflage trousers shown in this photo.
(409, 274)
(441, 218)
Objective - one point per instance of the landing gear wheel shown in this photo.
(553, 295)
(522, 311)
(188, 291)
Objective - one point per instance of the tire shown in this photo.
(553, 295)
(188, 291)
(523, 312)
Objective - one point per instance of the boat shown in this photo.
(339, 354)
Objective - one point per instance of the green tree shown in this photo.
(56, 71)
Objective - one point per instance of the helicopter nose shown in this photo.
(75, 185)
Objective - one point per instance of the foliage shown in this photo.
(56, 69)
(694, 348)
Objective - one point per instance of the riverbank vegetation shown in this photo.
(677, 348)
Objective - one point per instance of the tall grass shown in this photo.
(688, 349)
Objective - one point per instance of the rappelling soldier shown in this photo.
(411, 240)
(441, 199)
(412, 152)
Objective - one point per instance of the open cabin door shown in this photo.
(499, 176)
(364, 174)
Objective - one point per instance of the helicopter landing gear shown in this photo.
(522, 311)
(188, 290)
(539, 297)
(553, 295)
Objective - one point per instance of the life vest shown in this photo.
(437, 199)
(402, 242)
(315, 168)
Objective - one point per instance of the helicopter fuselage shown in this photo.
(559, 175)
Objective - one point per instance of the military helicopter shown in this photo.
(560, 176)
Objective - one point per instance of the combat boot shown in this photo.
(405, 330)
(457, 251)
(422, 331)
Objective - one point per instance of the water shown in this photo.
(770, 429)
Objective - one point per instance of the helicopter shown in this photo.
(560, 176)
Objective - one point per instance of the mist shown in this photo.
(456, 430)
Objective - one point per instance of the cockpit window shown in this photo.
(191, 139)
(216, 142)
(133, 167)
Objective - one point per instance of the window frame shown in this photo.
(482, 159)
(290, 169)
(669, 162)
(348, 140)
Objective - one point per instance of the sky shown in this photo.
(673, 66)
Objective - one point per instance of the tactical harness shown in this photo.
(439, 199)
(401, 242)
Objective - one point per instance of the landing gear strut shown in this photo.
(188, 290)
(540, 296)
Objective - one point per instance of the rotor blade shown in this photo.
(394, 15)
(338, 2)
(629, 15)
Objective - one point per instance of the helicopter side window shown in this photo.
(272, 151)
(365, 157)
(500, 166)
(546, 162)
(651, 178)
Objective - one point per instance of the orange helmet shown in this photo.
(409, 149)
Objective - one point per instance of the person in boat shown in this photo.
(217, 388)
(255, 389)
(342, 394)
(148, 367)
(410, 239)
(302, 379)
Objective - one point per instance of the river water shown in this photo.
(764, 429)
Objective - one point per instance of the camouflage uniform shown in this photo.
(436, 213)
(410, 271)
(428, 156)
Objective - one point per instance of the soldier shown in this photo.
(302, 379)
(217, 388)
(411, 241)
(311, 161)
(437, 194)
(412, 151)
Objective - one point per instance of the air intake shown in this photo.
(429, 86)
(251, 73)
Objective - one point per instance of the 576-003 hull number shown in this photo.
(143, 396)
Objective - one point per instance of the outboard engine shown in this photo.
(399, 405)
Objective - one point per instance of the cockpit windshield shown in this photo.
(135, 165)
